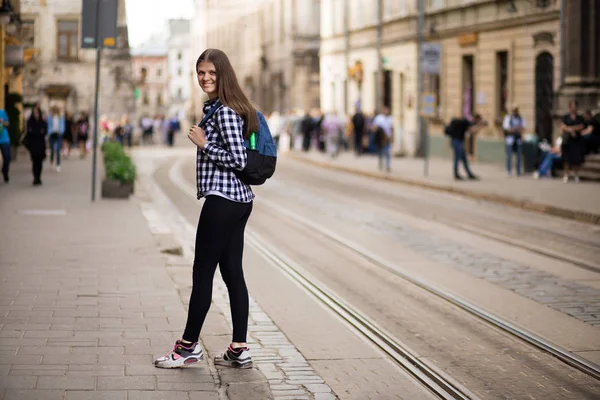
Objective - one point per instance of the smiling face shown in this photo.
(207, 78)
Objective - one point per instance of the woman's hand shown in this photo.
(197, 136)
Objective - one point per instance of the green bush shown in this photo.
(117, 163)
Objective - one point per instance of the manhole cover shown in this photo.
(43, 212)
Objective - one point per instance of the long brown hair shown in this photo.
(229, 91)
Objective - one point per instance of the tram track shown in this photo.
(436, 381)
(538, 240)
(532, 339)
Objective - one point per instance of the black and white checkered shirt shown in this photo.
(223, 153)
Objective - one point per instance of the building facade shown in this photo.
(368, 60)
(151, 71)
(59, 73)
(274, 48)
(181, 63)
(494, 54)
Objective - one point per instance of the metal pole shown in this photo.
(562, 42)
(420, 122)
(98, 54)
(379, 80)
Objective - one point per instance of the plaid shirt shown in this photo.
(223, 153)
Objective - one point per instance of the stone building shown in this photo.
(151, 71)
(274, 48)
(494, 54)
(181, 62)
(59, 72)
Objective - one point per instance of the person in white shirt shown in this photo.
(386, 122)
(514, 127)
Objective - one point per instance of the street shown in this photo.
(436, 237)
(360, 289)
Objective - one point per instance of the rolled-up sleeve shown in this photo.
(231, 128)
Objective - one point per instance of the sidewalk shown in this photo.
(549, 196)
(86, 301)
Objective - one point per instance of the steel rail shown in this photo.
(440, 384)
(531, 338)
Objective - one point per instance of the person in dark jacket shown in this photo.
(358, 123)
(35, 141)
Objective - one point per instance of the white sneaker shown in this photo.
(58, 168)
(235, 359)
(576, 179)
(566, 178)
(536, 175)
(181, 356)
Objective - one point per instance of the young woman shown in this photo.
(83, 127)
(228, 204)
(35, 141)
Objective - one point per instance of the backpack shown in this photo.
(260, 149)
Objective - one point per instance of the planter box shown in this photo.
(112, 189)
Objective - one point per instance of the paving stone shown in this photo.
(324, 396)
(38, 370)
(96, 370)
(80, 359)
(20, 359)
(317, 388)
(18, 382)
(66, 382)
(90, 395)
(17, 394)
(127, 383)
(43, 350)
(159, 395)
(98, 350)
(298, 392)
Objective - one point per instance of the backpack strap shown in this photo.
(210, 113)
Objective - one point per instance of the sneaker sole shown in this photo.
(185, 363)
(234, 364)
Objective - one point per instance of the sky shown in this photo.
(146, 17)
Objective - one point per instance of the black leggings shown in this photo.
(219, 239)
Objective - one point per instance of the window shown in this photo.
(432, 85)
(179, 56)
(144, 73)
(159, 99)
(159, 72)
(145, 99)
(67, 39)
(179, 93)
(28, 33)
(179, 72)
(501, 83)
(435, 4)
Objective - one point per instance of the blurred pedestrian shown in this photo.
(35, 141)
(383, 125)
(458, 130)
(173, 126)
(591, 133)
(514, 127)
(307, 126)
(5, 144)
(572, 145)
(333, 131)
(69, 135)
(550, 156)
(358, 124)
(83, 127)
(228, 204)
(56, 130)
(127, 130)
(275, 123)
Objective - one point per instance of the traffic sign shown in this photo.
(431, 58)
(100, 14)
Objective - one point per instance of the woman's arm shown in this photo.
(231, 128)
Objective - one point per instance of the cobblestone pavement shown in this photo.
(577, 300)
(288, 373)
